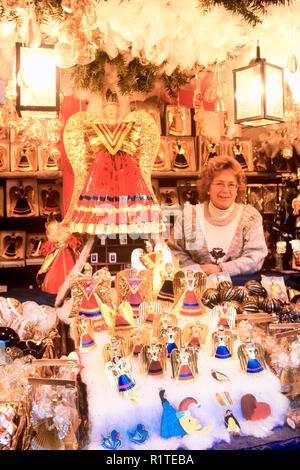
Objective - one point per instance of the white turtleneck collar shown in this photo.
(221, 214)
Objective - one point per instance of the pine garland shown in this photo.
(134, 76)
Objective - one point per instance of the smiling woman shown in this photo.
(221, 233)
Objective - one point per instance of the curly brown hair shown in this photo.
(216, 165)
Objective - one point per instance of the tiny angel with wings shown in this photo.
(136, 340)
(148, 312)
(162, 321)
(188, 288)
(194, 334)
(119, 319)
(153, 359)
(133, 288)
(184, 364)
(120, 374)
(116, 347)
(171, 338)
(223, 343)
(12, 247)
(252, 358)
(21, 201)
(88, 290)
(224, 315)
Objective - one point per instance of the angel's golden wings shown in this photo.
(80, 141)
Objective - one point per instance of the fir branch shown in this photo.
(251, 11)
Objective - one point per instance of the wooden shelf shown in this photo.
(175, 174)
(31, 174)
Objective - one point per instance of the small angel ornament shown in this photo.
(21, 201)
(120, 375)
(223, 343)
(188, 291)
(184, 364)
(153, 359)
(171, 337)
(224, 315)
(132, 288)
(194, 334)
(12, 247)
(136, 340)
(116, 347)
(252, 358)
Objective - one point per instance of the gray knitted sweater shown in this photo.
(247, 249)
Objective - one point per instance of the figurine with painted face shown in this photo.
(223, 343)
(184, 364)
(194, 334)
(116, 347)
(148, 313)
(132, 288)
(188, 288)
(171, 337)
(136, 340)
(153, 359)
(252, 358)
(120, 375)
(166, 291)
(224, 315)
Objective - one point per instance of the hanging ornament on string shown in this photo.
(217, 91)
(292, 63)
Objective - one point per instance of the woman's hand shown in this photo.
(211, 268)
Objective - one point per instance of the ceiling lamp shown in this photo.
(258, 93)
(37, 82)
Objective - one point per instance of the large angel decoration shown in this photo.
(224, 315)
(131, 287)
(87, 291)
(188, 288)
(171, 338)
(12, 247)
(120, 374)
(136, 340)
(184, 364)
(116, 347)
(194, 334)
(223, 343)
(251, 357)
(112, 164)
(21, 201)
(153, 359)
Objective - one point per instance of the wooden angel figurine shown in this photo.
(136, 340)
(21, 200)
(153, 359)
(87, 291)
(194, 334)
(224, 315)
(131, 287)
(12, 247)
(120, 375)
(83, 334)
(166, 290)
(188, 290)
(184, 364)
(252, 358)
(112, 162)
(148, 312)
(223, 343)
(116, 347)
(171, 338)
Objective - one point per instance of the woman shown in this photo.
(220, 233)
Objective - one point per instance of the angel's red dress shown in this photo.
(115, 197)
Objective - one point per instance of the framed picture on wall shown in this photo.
(23, 158)
(241, 150)
(34, 242)
(178, 121)
(48, 158)
(188, 194)
(169, 196)
(12, 245)
(21, 198)
(112, 257)
(94, 258)
(50, 198)
(255, 196)
(182, 154)
(208, 149)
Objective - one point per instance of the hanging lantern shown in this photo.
(37, 82)
(258, 93)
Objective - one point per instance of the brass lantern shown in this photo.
(258, 93)
(37, 82)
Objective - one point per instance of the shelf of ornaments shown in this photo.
(39, 174)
